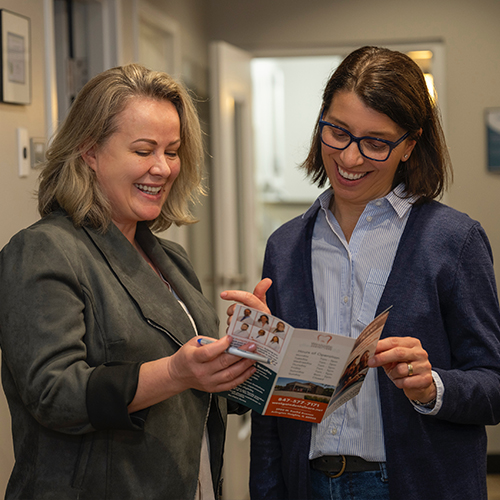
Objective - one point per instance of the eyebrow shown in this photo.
(154, 143)
(340, 123)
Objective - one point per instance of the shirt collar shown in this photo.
(399, 202)
(326, 195)
(395, 198)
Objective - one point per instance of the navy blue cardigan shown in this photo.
(442, 289)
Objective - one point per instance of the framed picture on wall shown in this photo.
(492, 118)
(15, 53)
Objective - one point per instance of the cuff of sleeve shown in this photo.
(236, 408)
(111, 388)
(439, 397)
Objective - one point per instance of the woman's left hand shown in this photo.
(257, 299)
(406, 363)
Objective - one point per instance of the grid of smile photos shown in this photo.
(262, 328)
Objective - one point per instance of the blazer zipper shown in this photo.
(165, 331)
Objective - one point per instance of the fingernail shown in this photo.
(223, 295)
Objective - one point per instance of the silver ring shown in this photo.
(410, 369)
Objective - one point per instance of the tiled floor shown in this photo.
(494, 487)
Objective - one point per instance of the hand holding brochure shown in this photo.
(310, 373)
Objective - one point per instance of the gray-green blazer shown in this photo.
(79, 312)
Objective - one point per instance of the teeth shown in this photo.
(148, 189)
(350, 176)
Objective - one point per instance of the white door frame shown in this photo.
(111, 11)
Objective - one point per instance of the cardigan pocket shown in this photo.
(374, 288)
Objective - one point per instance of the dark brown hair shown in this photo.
(391, 83)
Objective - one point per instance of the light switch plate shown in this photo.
(23, 152)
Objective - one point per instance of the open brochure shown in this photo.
(309, 374)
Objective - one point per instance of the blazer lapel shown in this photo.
(151, 295)
(173, 263)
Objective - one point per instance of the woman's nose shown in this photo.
(351, 156)
(161, 166)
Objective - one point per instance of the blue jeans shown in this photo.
(371, 485)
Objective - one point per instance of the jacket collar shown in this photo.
(157, 304)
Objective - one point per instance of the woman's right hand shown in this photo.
(207, 368)
(256, 300)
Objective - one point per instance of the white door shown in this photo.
(232, 192)
(232, 173)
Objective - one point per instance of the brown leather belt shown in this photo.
(335, 465)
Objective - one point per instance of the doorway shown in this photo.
(287, 95)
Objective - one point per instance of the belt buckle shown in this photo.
(338, 474)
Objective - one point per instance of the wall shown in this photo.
(17, 200)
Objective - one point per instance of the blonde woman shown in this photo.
(110, 394)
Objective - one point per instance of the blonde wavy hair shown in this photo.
(67, 182)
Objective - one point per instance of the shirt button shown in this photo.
(378, 203)
(334, 431)
(346, 299)
(369, 218)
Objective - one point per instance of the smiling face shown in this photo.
(355, 179)
(138, 164)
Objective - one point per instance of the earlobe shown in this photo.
(410, 145)
(407, 154)
(409, 148)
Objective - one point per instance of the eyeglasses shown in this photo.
(370, 147)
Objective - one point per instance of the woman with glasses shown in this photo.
(376, 238)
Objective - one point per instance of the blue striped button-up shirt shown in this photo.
(349, 278)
